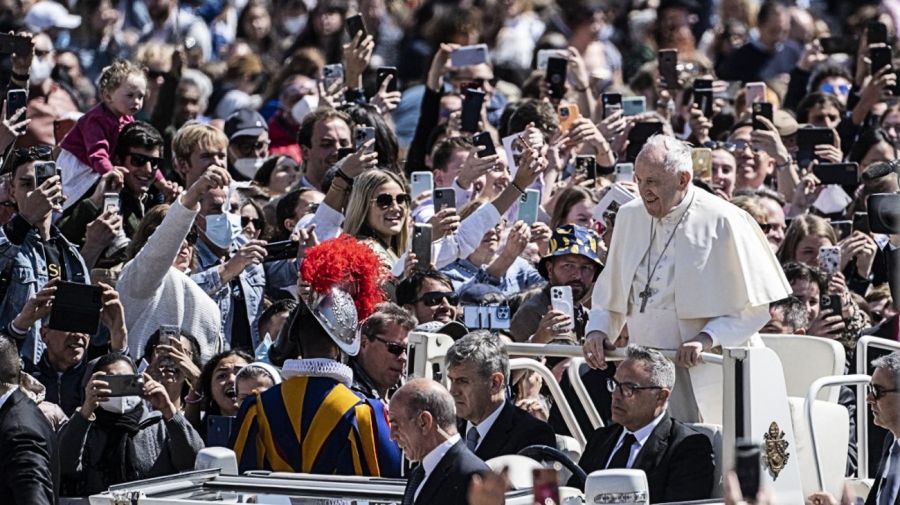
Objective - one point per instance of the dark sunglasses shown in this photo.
(142, 159)
(25, 154)
(878, 392)
(386, 200)
(392, 347)
(434, 298)
(246, 147)
(258, 223)
(155, 74)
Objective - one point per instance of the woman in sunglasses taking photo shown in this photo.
(378, 214)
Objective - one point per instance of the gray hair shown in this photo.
(674, 154)
(200, 80)
(435, 400)
(483, 350)
(891, 363)
(795, 314)
(662, 370)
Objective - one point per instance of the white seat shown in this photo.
(805, 359)
(832, 438)
(714, 433)
(519, 469)
(569, 446)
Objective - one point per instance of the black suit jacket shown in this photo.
(879, 477)
(677, 459)
(27, 446)
(513, 430)
(448, 484)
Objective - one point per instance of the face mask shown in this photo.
(303, 107)
(120, 404)
(248, 166)
(295, 25)
(40, 70)
(222, 228)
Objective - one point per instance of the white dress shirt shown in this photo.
(7, 394)
(485, 426)
(641, 435)
(431, 460)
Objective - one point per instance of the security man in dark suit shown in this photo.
(884, 398)
(677, 459)
(423, 423)
(478, 368)
(27, 441)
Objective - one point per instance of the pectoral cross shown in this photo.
(645, 295)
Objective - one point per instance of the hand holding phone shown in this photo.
(557, 70)
(667, 60)
(421, 245)
(16, 99)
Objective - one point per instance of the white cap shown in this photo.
(617, 486)
(47, 14)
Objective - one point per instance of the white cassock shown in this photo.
(718, 275)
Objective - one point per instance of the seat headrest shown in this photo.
(627, 487)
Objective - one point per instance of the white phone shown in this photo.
(420, 182)
(544, 55)
(756, 92)
(625, 172)
(561, 300)
(830, 259)
(110, 202)
(467, 56)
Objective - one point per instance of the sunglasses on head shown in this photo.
(392, 347)
(257, 222)
(434, 298)
(386, 200)
(143, 159)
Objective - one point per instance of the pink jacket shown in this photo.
(93, 139)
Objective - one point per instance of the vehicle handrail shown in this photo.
(574, 374)
(575, 351)
(555, 391)
(822, 382)
(862, 409)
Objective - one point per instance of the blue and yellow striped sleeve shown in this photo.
(245, 440)
(382, 455)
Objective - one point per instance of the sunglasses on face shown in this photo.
(434, 298)
(386, 200)
(155, 74)
(257, 222)
(142, 159)
(840, 89)
(878, 392)
(392, 347)
(247, 147)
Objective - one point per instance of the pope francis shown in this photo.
(687, 271)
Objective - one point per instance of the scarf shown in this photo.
(118, 454)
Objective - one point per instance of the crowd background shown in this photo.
(224, 126)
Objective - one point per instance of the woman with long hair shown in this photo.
(378, 214)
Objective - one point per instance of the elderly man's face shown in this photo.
(775, 218)
(65, 349)
(471, 391)
(406, 429)
(660, 189)
(886, 410)
(644, 405)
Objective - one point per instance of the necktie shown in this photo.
(620, 458)
(415, 479)
(472, 437)
(890, 488)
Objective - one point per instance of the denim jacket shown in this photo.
(520, 276)
(22, 257)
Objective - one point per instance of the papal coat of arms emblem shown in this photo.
(776, 450)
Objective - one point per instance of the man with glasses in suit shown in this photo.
(884, 398)
(382, 358)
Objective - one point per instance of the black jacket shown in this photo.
(27, 443)
(448, 484)
(879, 477)
(66, 389)
(513, 430)
(677, 459)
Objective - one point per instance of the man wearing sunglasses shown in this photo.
(677, 459)
(382, 358)
(429, 296)
(248, 143)
(884, 398)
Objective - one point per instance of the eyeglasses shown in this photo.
(737, 145)
(626, 389)
(386, 200)
(392, 347)
(766, 227)
(840, 89)
(142, 159)
(258, 223)
(249, 147)
(434, 298)
(878, 392)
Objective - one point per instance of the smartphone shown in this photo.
(832, 303)
(421, 245)
(125, 385)
(344, 152)
(702, 158)
(528, 206)
(829, 259)
(16, 99)
(111, 202)
(168, 333)
(362, 135)
(44, 170)
(568, 114)
(218, 431)
(633, 105)
(748, 467)
(333, 74)
(471, 110)
(544, 55)
(484, 139)
(876, 33)
(467, 56)
(420, 182)
(444, 198)
(557, 69)
(383, 73)
(842, 229)
(281, 250)
(839, 45)
(762, 109)
(545, 486)
(489, 317)
(561, 300)
(845, 174)
(808, 139)
(354, 25)
(703, 100)
(624, 172)
(612, 102)
(880, 56)
(755, 92)
(586, 164)
(861, 222)
(667, 60)
(638, 136)
(10, 44)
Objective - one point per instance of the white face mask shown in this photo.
(248, 166)
(40, 70)
(222, 228)
(303, 107)
(295, 25)
(120, 404)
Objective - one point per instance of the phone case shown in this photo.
(444, 198)
(420, 182)
(218, 432)
(625, 172)
(568, 114)
(382, 74)
(528, 206)
(484, 139)
(634, 105)
(829, 259)
(544, 56)
(421, 245)
(363, 135)
(332, 74)
(471, 110)
(467, 56)
(355, 24)
(756, 92)
(702, 158)
(556, 77)
(668, 67)
(125, 385)
(561, 300)
(16, 99)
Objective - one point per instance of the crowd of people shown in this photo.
(268, 196)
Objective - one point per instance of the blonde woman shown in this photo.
(378, 214)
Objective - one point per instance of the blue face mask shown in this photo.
(222, 228)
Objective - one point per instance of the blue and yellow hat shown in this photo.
(573, 239)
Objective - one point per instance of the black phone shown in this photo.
(382, 74)
(808, 139)
(557, 69)
(76, 308)
(638, 135)
(281, 250)
(586, 164)
(748, 467)
(703, 96)
(842, 229)
(471, 110)
(838, 45)
(125, 385)
(10, 44)
(44, 170)
(612, 102)
(16, 99)
(845, 174)
(355, 25)
(364, 134)
(484, 139)
(876, 33)
(832, 303)
(421, 245)
(861, 222)
(344, 152)
(884, 213)
(880, 57)
(218, 431)
(444, 198)
(762, 109)
(668, 67)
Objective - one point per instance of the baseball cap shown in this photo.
(46, 14)
(245, 123)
